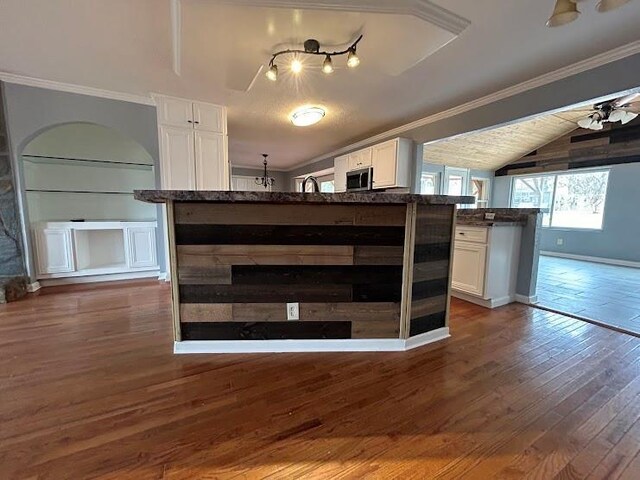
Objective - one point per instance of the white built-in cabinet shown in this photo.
(193, 144)
(485, 264)
(391, 162)
(77, 249)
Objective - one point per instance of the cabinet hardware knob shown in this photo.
(190, 121)
(197, 122)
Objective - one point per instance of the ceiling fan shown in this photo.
(623, 110)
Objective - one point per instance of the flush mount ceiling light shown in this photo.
(566, 11)
(306, 116)
(312, 47)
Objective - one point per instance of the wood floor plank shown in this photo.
(90, 388)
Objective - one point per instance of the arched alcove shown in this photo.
(85, 171)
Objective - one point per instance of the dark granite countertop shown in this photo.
(161, 196)
(489, 223)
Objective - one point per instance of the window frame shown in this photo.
(555, 176)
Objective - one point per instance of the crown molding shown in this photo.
(560, 74)
(72, 88)
(422, 9)
(258, 167)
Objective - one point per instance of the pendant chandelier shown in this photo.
(266, 181)
(312, 47)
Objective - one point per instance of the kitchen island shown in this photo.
(263, 271)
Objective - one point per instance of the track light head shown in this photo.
(327, 65)
(272, 73)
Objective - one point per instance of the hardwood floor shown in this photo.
(90, 389)
(607, 294)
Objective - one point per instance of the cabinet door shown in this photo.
(384, 161)
(141, 247)
(175, 112)
(340, 168)
(360, 159)
(54, 249)
(211, 118)
(469, 267)
(177, 165)
(211, 161)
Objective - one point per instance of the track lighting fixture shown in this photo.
(312, 47)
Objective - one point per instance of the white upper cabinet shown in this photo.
(391, 162)
(193, 144)
(178, 168)
(385, 164)
(175, 111)
(212, 175)
(340, 169)
(212, 118)
(360, 159)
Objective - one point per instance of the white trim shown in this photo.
(422, 9)
(72, 88)
(256, 167)
(33, 287)
(300, 346)
(487, 303)
(527, 300)
(164, 277)
(586, 258)
(562, 73)
(176, 34)
(426, 338)
(50, 282)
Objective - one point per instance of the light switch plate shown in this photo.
(293, 311)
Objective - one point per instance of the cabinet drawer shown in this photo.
(472, 234)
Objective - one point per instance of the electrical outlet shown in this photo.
(559, 241)
(293, 311)
(489, 216)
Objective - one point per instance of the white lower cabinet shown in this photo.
(469, 267)
(55, 250)
(485, 264)
(81, 249)
(140, 245)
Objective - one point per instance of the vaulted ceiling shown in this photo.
(418, 57)
(494, 148)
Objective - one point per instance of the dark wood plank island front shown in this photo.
(360, 271)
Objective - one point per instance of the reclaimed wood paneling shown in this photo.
(431, 267)
(213, 255)
(315, 275)
(261, 214)
(264, 293)
(197, 275)
(381, 318)
(370, 255)
(266, 330)
(206, 312)
(201, 234)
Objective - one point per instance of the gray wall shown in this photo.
(283, 183)
(31, 111)
(620, 232)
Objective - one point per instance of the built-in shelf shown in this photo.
(40, 159)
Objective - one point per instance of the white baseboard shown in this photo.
(586, 258)
(526, 299)
(33, 287)
(301, 346)
(50, 282)
(490, 303)
(426, 338)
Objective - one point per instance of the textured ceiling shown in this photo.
(126, 46)
(497, 147)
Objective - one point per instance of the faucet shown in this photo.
(314, 181)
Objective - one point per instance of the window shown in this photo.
(428, 183)
(327, 186)
(325, 182)
(480, 190)
(572, 200)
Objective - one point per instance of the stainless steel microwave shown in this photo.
(360, 180)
